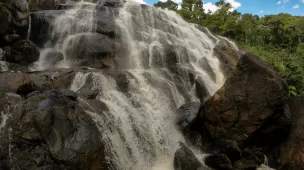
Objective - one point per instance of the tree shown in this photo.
(169, 4)
(192, 11)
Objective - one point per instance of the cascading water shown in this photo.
(66, 30)
(3, 64)
(160, 59)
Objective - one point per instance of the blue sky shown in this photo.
(260, 7)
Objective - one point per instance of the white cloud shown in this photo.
(176, 1)
(234, 3)
(210, 7)
(296, 6)
(213, 8)
(281, 2)
(139, 1)
(262, 11)
(302, 1)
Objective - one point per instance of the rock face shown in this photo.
(292, 150)
(49, 130)
(228, 57)
(22, 52)
(218, 162)
(184, 159)
(250, 105)
(41, 25)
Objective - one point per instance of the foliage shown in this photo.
(167, 5)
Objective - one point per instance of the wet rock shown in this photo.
(89, 46)
(250, 105)
(2, 55)
(186, 115)
(203, 62)
(184, 159)
(218, 162)
(185, 121)
(228, 57)
(51, 58)
(201, 90)
(23, 83)
(245, 165)
(11, 38)
(229, 148)
(20, 13)
(105, 21)
(109, 3)
(53, 128)
(42, 5)
(292, 150)
(23, 52)
(41, 25)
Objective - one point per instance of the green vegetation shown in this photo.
(3, 9)
(278, 39)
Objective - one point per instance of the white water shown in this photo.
(138, 127)
(74, 22)
(3, 66)
(159, 52)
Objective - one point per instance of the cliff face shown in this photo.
(131, 67)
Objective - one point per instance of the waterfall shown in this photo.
(67, 29)
(160, 60)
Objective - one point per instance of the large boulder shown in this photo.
(292, 151)
(89, 46)
(249, 108)
(22, 52)
(52, 132)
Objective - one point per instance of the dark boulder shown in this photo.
(250, 105)
(229, 148)
(291, 151)
(41, 26)
(22, 52)
(184, 159)
(186, 115)
(53, 132)
(88, 46)
(218, 162)
(186, 122)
